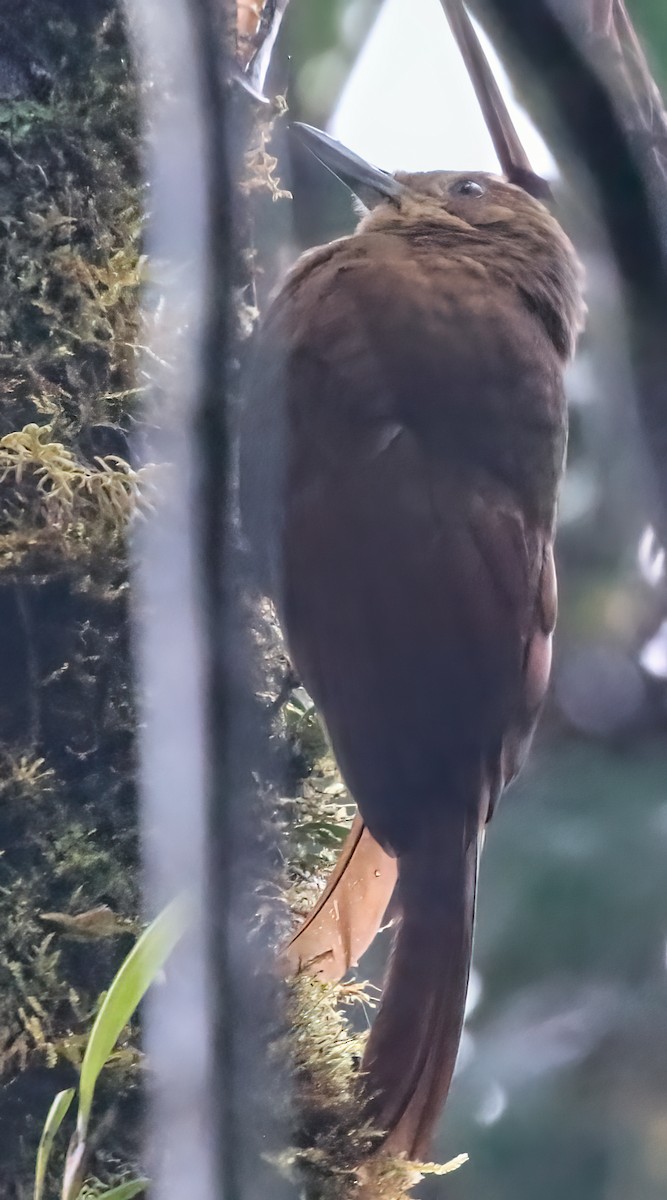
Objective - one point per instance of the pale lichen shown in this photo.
(260, 165)
(67, 491)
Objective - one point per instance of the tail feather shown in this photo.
(349, 912)
(411, 1051)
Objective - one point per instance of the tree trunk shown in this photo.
(69, 274)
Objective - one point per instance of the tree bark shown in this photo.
(69, 278)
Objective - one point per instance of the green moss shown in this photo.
(70, 271)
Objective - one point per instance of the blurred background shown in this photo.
(561, 1088)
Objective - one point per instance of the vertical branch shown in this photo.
(171, 634)
(206, 1035)
(211, 450)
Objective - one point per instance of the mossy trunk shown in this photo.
(70, 231)
(70, 264)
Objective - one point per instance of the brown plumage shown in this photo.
(348, 914)
(402, 449)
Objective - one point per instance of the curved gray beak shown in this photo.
(369, 183)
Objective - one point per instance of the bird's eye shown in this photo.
(467, 187)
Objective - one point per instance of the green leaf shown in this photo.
(125, 1191)
(137, 972)
(75, 1165)
(54, 1120)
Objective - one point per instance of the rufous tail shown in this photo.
(348, 914)
(411, 1051)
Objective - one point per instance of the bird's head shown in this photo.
(483, 215)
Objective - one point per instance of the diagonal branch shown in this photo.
(513, 159)
(592, 66)
(600, 18)
(640, 87)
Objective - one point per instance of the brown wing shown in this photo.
(412, 562)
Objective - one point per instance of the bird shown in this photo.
(402, 445)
